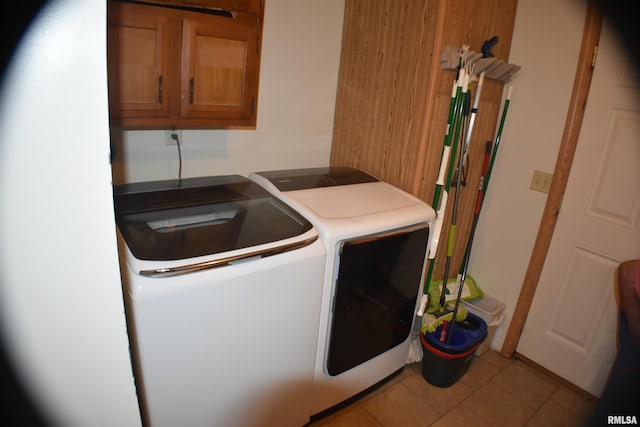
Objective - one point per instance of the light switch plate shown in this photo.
(541, 181)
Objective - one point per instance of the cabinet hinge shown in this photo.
(258, 45)
(253, 105)
(595, 56)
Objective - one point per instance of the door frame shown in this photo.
(568, 144)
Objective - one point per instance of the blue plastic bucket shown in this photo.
(466, 334)
(443, 364)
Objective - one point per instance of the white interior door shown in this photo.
(571, 327)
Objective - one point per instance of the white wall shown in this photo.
(61, 300)
(296, 103)
(546, 43)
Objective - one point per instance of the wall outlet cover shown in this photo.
(168, 140)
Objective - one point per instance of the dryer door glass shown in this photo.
(379, 278)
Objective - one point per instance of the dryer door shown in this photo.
(375, 293)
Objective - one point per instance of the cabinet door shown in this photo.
(220, 62)
(137, 55)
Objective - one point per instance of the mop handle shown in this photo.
(467, 252)
(440, 205)
(463, 155)
(487, 175)
(505, 108)
(481, 184)
(458, 125)
(440, 180)
(446, 149)
(459, 122)
(474, 111)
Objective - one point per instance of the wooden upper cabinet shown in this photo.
(218, 68)
(138, 63)
(173, 67)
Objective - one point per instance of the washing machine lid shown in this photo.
(187, 218)
(304, 179)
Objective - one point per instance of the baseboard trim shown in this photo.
(554, 376)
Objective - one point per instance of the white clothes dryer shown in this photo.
(376, 237)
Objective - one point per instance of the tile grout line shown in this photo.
(500, 368)
(556, 386)
(475, 385)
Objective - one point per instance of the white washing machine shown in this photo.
(376, 237)
(223, 285)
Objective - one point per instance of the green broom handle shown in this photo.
(454, 108)
(463, 80)
(507, 101)
(485, 183)
(458, 126)
(453, 226)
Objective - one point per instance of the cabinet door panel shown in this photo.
(219, 71)
(219, 68)
(137, 70)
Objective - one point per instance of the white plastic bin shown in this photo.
(491, 310)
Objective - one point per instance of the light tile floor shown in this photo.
(494, 392)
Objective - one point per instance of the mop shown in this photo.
(494, 69)
(441, 313)
(443, 184)
(443, 310)
(440, 201)
(444, 334)
(487, 168)
(471, 290)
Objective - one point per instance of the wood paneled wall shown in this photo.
(393, 97)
